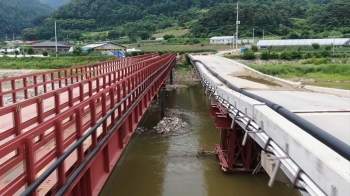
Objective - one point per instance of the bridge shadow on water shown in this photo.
(154, 164)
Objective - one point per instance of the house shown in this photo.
(104, 46)
(50, 47)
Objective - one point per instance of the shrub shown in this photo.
(196, 41)
(328, 47)
(308, 55)
(265, 55)
(286, 55)
(274, 55)
(166, 37)
(255, 48)
(325, 53)
(317, 54)
(249, 55)
(318, 61)
(295, 54)
(316, 46)
(45, 53)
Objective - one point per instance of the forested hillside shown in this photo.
(54, 3)
(287, 18)
(203, 18)
(15, 15)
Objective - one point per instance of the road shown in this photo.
(329, 112)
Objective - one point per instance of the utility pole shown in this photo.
(237, 23)
(263, 34)
(55, 38)
(333, 43)
(233, 42)
(253, 36)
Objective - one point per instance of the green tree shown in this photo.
(78, 51)
(29, 34)
(167, 37)
(144, 35)
(249, 55)
(132, 36)
(113, 34)
(30, 50)
(255, 48)
(265, 55)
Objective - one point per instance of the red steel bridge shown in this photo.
(63, 131)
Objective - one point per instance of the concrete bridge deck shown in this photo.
(330, 112)
(323, 167)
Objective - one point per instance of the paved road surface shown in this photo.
(329, 112)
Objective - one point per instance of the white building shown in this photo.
(159, 39)
(230, 39)
(303, 42)
(133, 50)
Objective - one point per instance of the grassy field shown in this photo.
(175, 32)
(164, 47)
(321, 72)
(49, 62)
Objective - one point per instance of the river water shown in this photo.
(155, 164)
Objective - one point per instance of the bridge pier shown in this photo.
(162, 103)
(234, 155)
(171, 76)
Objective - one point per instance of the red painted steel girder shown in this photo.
(81, 117)
(61, 77)
(233, 156)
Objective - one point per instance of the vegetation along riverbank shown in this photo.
(49, 62)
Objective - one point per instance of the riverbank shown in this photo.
(183, 75)
(332, 74)
(35, 63)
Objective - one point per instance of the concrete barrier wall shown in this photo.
(332, 91)
(214, 82)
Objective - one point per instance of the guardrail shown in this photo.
(125, 92)
(38, 103)
(39, 83)
(329, 140)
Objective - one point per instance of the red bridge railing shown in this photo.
(95, 125)
(30, 85)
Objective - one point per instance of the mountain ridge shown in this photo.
(54, 3)
(15, 15)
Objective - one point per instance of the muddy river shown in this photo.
(155, 164)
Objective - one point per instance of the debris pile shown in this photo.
(170, 87)
(170, 125)
(140, 130)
